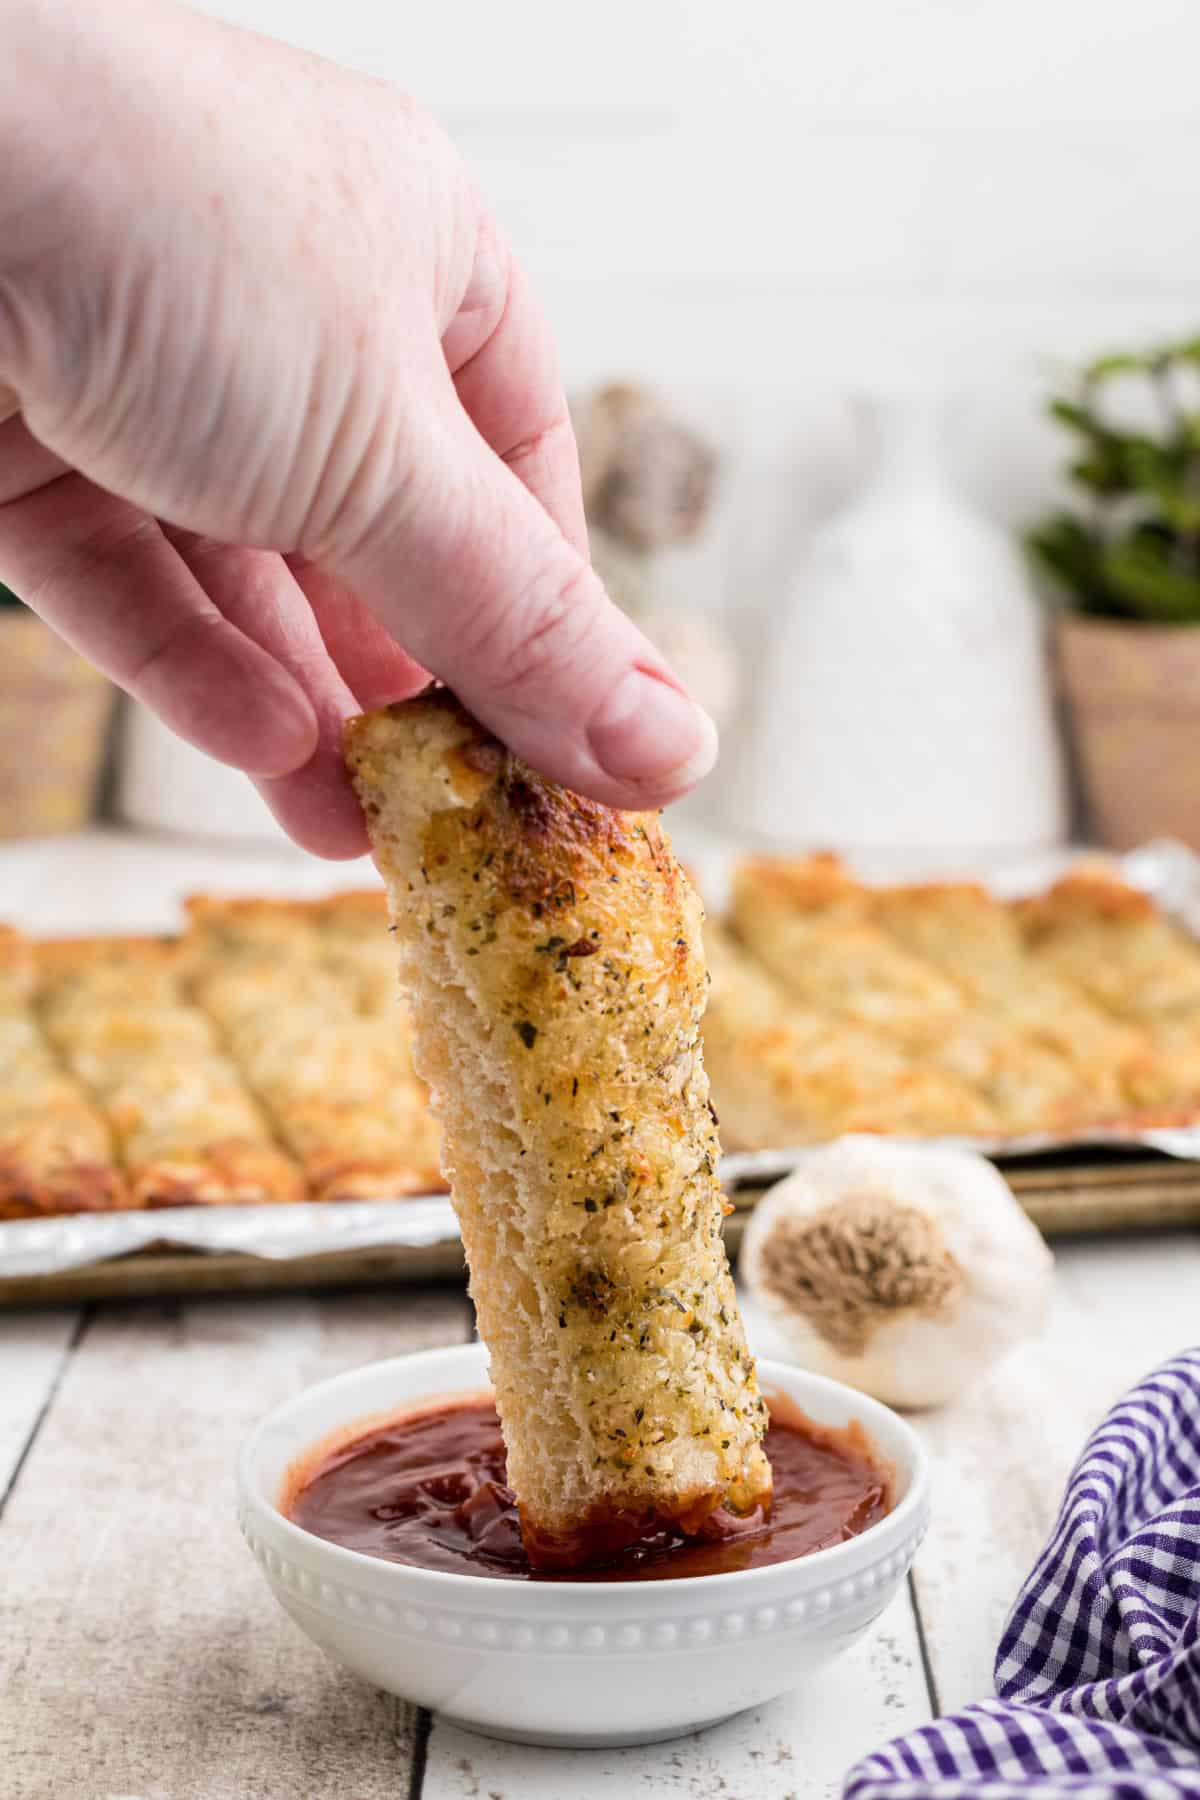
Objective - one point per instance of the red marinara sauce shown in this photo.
(428, 1489)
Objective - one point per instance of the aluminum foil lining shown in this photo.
(49, 1246)
(1168, 872)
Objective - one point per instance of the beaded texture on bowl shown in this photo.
(582, 1636)
(572, 1663)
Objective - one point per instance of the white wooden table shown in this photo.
(141, 1656)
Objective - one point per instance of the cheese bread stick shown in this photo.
(552, 956)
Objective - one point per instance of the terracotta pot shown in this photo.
(1133, 695)
(54, 715)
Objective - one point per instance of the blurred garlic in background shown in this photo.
(903, 1270)
(649, 480)
(648, 477)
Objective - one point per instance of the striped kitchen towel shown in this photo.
(1098, 1671)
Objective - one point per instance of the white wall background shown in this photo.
(765, 203)
(777, 198)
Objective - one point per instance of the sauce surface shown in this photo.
(429, 1489)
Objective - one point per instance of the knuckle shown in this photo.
(67, 564)
(540, 444)
(539, 636)
(156, 655)
(367, 484)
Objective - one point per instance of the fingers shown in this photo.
(259, 594)
(25, 465)
(522, 629)
(501, 354)
(369, 660)
(481, 586)
(102, 573)
(371, 670)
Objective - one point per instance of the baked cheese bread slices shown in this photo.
(56, 1151)
(787, 1075)
(551, 952)
(186, 1131)
(353, 943)
(294, 990)
(1115, 944)
(809, 924)
(1062, 1059)
(1095, 934)
(943, 971)
(18, 970)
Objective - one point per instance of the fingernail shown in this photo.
(647, 731)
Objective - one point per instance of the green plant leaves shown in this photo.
(1075, 416)
(1122, 363)
(1141, 571)
(1067, 549)
(1136, 552)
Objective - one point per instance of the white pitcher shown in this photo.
(164, 784)
(904, 703)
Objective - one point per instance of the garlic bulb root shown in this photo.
(904, 1270)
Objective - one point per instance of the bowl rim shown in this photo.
(907, 1516)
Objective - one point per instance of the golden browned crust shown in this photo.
(56, 1152)
(185, 1131)
(552, 955)
(358, 910)
(234, 1172)
(247, 918)
(1090, 892)
(1112, 942)
(59, 1190)
(60, 954)
(287, 986)
(18, 972)
(819, 884)
(784, 1075)
(959, 927)
(278, 1022)
(1054, 1055)
(811, 928)
(231, 927)
(380, 1154)
(1080, 1007)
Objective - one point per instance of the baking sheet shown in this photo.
(1168, 872)
(48, 1246)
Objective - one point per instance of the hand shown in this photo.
(282, 423)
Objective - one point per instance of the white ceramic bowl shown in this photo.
(578, 1663)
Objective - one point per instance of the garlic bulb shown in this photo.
(648, 477)
(903, 1270)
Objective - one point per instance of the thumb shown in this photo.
(477, 582)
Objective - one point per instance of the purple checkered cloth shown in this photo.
(1098, 1671)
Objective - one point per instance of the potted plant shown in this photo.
(54, 715)
(1126, 560)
